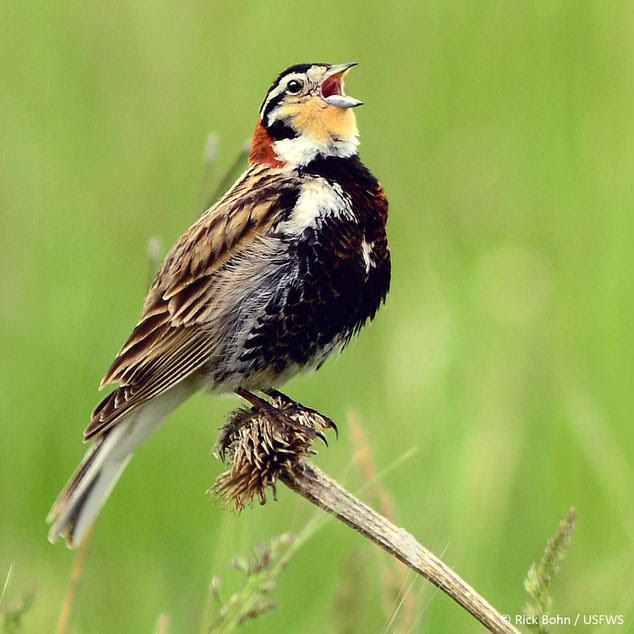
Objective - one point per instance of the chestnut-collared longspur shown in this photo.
(270, 281)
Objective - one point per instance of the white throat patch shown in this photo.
(302, 149)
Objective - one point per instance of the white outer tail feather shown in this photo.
(83, 497)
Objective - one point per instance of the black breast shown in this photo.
(329, 290)
(370, 207)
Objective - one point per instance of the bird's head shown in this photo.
(306, 113)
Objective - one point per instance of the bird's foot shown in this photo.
(286, 403)
(265, 442)
(287, 413)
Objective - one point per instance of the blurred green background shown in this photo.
(504, 135)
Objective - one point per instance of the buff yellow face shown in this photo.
(306, 111)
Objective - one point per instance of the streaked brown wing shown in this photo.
(168, 343)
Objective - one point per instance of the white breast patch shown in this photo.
(318, 199)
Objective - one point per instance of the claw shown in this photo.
(322, 437)
(331, 425)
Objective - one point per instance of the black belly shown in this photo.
(326, 294)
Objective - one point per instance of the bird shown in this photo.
(273, 279)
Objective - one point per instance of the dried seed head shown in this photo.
(261, 445)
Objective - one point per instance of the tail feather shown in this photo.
(78, 505)
(86, 492)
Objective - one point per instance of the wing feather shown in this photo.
(170, 341)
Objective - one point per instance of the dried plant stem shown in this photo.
(162, 627)
(321, 490)
(267, 444)
(71, 591)
(230, 174)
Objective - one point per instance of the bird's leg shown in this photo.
(254, 399)
(290, 403)
(278, 415)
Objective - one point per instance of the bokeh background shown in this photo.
(504, 135)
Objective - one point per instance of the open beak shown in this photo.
(331, 88)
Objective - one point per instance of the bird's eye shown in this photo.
(294, 87)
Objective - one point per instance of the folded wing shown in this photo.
(170, 341)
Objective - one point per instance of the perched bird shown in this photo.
(270, 281)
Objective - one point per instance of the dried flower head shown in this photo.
(263, 444)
